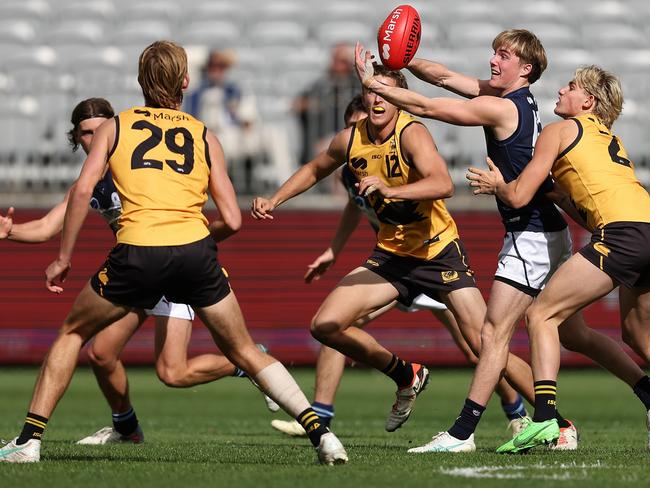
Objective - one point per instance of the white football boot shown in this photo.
(568, 440)
(444, 442)
(108, 435)
(330, 450)
(291, 427)
(29, 452)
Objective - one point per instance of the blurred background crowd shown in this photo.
(272, 79)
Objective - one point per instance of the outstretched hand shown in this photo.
(363, 65)
(318, 268)
(55, 275)
(485, 181)
(6, 223)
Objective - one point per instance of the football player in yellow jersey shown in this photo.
(591, 165)
(163, 162)
(331, 363)
(418, 251)
(173, 321)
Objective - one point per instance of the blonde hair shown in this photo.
(605, 88)
(161, 70)
(527, 47)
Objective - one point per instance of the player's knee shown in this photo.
(534, 317)
(488, 333)
(102, 358)
(322, 330)
(170, 376)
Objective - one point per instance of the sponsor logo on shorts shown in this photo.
(103, 276)
(602, 249)
(449, 276)
(372, 262)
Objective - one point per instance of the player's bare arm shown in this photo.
(40, 230)
(306, 177)
(349, 221)
(223, 194)
(489, 111)
(77, 208)
(520, 191)
(420, 149)
(440, 75)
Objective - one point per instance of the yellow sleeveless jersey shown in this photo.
(597, 173)
(160, 165)
(416, 228)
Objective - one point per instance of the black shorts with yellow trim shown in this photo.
(447, 272)
(622, 250)
(139, 276)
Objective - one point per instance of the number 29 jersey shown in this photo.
(416, 228)
(161, 167)
(599, 177)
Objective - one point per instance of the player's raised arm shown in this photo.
(482, 111)
(223, 194)
(306, 177)
(77, 208)
(440, 75)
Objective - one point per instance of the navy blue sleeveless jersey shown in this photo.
(511, 157)
(106, 201)
(349, 181)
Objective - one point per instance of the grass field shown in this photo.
(219, 435)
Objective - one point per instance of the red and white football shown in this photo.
(398, 37)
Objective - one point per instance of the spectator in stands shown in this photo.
(231, 113)
(321, 106)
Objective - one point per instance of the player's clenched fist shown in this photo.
(261, 208)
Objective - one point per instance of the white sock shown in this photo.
(277, 383)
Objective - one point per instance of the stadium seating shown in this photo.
(55, 53)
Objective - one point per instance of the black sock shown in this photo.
(32, 429)
(642, 390)
(125, 423)
(561, 421)
(467, 421)
(545, 401)
(400, 371)
(313, 425)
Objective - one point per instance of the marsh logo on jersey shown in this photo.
(359, 163)
(602, 249)
(372, 262)
(449, 276)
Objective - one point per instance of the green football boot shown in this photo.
(535, 434)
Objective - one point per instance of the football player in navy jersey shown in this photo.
(173, 321)
(537, 240)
